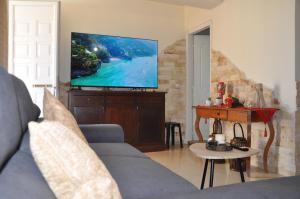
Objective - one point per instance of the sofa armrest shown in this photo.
(102, 133)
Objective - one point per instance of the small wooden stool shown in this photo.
(170, 127)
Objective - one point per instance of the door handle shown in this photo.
(42, 85)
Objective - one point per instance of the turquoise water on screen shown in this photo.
(138, 72)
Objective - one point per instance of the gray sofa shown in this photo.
(138, 176)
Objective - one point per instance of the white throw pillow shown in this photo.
(69, 165)
(54, 110)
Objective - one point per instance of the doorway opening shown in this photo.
(198, 77)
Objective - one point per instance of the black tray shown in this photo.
(219, 147)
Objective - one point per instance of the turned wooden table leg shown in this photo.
(197, 128)
(248, 164)
(268, 145)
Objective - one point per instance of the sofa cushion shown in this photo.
(27, 109)
(22, 179)
(25, 147)
(279, 188)
(142, 178)
(54, 110)
(10, 122)
(70, 166)
(116, 149)
(103, 133)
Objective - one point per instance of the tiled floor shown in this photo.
(184, 163)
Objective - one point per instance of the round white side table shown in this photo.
(199, 149)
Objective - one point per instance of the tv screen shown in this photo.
(110, 61)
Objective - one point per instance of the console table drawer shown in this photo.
(209, 113)
(238, 116)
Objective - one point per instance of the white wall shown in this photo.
(297, 43)
(132, 18)
(194, 17)
(259, 38)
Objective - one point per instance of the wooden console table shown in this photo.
(241, 115)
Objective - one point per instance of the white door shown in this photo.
(201, 83)
(33, 45)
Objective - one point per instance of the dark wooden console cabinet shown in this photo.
(141, 114)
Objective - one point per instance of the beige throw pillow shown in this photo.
(70, 166)
(54, 110)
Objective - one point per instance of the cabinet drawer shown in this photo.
(85, 101)
(152, 99)
(120, 99)
(89, 115)
(210, 113)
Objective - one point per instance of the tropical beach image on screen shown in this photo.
(108, 61)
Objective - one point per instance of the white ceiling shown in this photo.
(207, 4)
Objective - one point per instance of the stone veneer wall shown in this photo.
(172, 79)
(282, 152)
(3, 33)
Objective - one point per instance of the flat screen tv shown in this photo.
(110, 61)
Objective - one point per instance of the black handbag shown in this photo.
(239, 142)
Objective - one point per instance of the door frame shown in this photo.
(190, 135)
